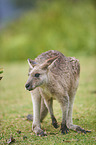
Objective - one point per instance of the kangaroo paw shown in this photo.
(30, 117)
(54, 122)
(38, 130)
(41, 133)
(64, 129)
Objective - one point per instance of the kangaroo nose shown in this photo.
(27, 86)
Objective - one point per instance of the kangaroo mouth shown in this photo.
(29, 87)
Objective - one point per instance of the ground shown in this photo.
(15, 105)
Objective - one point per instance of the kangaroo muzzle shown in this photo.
(28, 86)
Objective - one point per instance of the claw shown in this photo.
(89, 131)
(64, 129)
(54, 122)
(41, 134)
(81, 130)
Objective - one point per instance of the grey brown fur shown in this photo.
(53, 76)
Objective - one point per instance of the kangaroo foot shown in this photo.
(78, 129)
(64, 129)
(39, 131)
(81, 130)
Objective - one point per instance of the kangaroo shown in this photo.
(53, 76)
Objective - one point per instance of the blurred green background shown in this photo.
(64, 25)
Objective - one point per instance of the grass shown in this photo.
(15, 105)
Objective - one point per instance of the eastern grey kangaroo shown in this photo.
(53, 76)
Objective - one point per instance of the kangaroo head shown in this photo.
(38, 73)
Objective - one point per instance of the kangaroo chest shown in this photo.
(47, 93)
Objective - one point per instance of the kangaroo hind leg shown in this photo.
(69, 121)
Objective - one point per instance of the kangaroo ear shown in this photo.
(31, 63)
(48, 62)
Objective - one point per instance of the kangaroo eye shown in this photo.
(37, 75)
